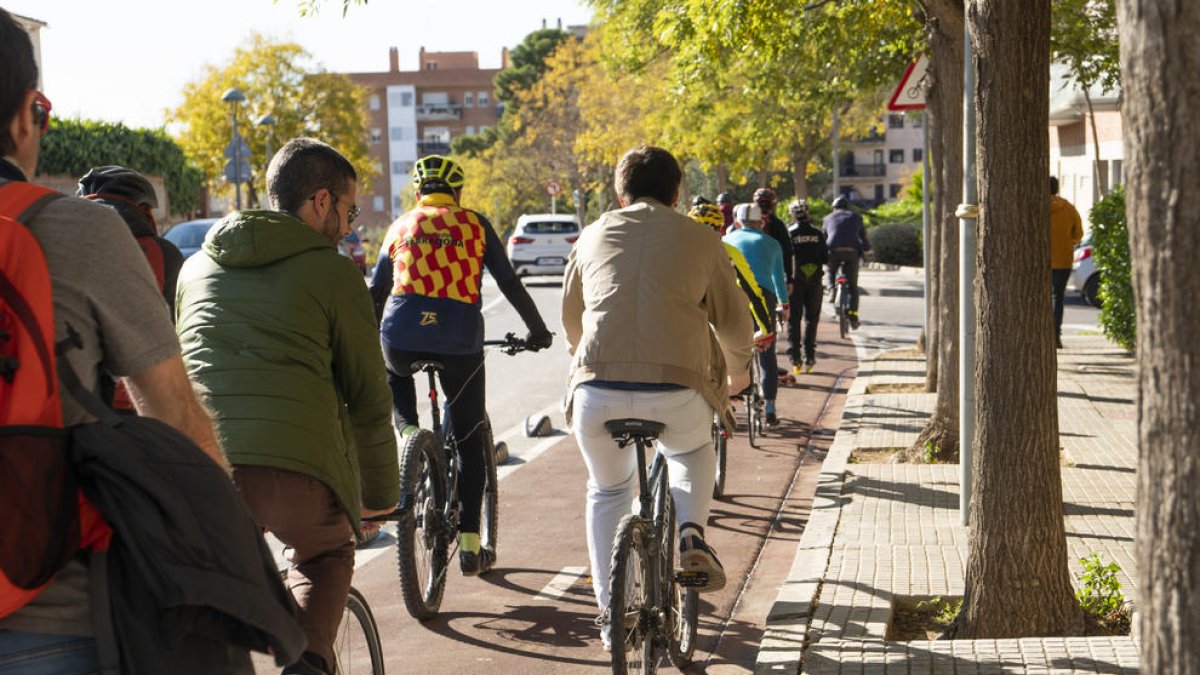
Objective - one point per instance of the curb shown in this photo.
(886, 267)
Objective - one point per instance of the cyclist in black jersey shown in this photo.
(809, 254)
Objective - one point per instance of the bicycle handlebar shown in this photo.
(510, 344)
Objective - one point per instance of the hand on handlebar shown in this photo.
(539, 340)
(738, 383)
(763, 341)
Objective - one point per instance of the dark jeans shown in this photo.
(303, 513)
(768, 361)
(1059, 279)
(806, 305)
(24, 653)
(462, 380)
(848, 260)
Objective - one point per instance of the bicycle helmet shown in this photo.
(724, 198)
(766, 195)
(707, 214)
(700, 199)
(798, 208)
(436, 171)
(841, 203)
(748, 214)
(113, 182)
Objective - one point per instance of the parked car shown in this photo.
(352, 248)
(1085, 278)
(188, 236)
(541, 242)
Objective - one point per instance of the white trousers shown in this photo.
(612, 472)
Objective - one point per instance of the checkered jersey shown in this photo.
(437, 249)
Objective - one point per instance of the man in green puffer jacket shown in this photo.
(279, 335)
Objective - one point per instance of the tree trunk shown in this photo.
(801, 153)
(1159, 60)
(1100, 182)
(940, 435)
(1017, 581)
(722, 178)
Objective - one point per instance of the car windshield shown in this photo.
(188, 235)
(550, 227)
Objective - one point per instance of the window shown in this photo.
(893, 190)
(400, 99)
(918, 154)
(916, 121)
(373, 102)
(482, 98)
(377, 203)
(398, 168)
(432, 65)
(551, 227)
(895, 121)
(895, 156)
(468, 99)
(402, 133)
(376, 134)
(396, 202)
(879, 193)
(470, 130)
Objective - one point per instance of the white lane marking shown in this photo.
(519, 428)
(560, 584)
(527, 457)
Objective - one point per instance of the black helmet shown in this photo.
(700, 199)
(765, 195)
(724, 198)
(841, 203)
(106, 182)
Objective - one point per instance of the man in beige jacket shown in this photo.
(654, 320)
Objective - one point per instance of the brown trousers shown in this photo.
(303, 513)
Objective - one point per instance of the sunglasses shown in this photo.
(350, 215)
(41, 111)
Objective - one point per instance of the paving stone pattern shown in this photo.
(880, 531)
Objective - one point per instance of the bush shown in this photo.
(900, 211)
(1110, 246)
(896, 244)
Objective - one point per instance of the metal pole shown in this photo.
(553, 204)
(925, 210)
(837, 184)
(967, 212)
(237, 159)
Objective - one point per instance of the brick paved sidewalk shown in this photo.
(883, 531)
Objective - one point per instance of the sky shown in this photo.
(129, 62)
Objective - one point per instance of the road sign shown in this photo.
(553, 188)
(910, 94)
(239, 141)
(242, 176)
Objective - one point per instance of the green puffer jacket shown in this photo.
(279, 334)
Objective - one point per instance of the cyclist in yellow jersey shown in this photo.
(708, 214)
(427, 289)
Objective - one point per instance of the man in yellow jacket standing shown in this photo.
(1066, 231)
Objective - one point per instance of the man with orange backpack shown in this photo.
(107, 317)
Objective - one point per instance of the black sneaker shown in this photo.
(309, 664)
(772, 419)
(700, 562)
(473, 564)
(1058, 342)
(809, 363)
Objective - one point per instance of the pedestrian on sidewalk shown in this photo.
(279, 332)
(653, 320)
(766, 262)
(846, 237)
(809, 253)
(1066, 231)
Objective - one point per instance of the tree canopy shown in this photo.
(280, 79)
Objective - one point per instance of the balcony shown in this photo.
(872, 136)
(432, 148)
(433, 113)
(862, 171)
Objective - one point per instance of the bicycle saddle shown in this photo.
(426, 365)
(634, 427)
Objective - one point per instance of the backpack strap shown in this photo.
(22, 201)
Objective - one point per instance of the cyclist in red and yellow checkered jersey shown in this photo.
(426, 288)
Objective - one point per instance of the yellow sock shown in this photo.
(468, 541)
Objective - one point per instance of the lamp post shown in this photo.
(268, 121)
(234, 97)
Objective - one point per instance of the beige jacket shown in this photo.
(650, 296)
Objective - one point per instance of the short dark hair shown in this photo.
(303, 166)
(647, 171)
(1053, 185)
(18, 74)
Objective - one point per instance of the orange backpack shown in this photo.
(46, 518)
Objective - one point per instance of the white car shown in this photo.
(541, 242)
(1085, 278)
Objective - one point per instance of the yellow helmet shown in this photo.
(708, 214)
(437, 169)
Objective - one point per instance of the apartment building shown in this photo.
(34, 28)
(1073, 148)
(412, 113)
(876, 168)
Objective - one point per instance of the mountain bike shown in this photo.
(430, 511)
(654, 610)
(755, 404)
(841, 303)
(721, 445)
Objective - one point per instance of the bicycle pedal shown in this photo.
(690, 579)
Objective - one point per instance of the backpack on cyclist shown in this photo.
(46, 519)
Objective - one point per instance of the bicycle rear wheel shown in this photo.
(356, 647)
(422, 537)
(719, 444)
(489, 521)
(843, 312)
(678, 604)
(632, 603)
(754, 403)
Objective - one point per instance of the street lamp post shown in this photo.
(268, 121)
(234, 97)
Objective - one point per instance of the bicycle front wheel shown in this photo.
(719, 444)
(356, 648)
(489, 521)
(422, 536)
(632, 603)
(754, 403)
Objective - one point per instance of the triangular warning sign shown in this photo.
(910, 93)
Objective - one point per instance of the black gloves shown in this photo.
(540, 339)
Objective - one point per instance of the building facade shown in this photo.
(877, 167)
(34, 28)
(412, 113)
(1073, 145)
